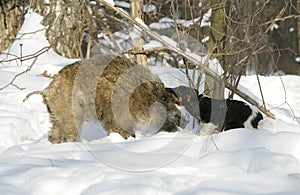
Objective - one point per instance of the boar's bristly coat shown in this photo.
(124, 96)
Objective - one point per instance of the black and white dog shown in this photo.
(224, 114)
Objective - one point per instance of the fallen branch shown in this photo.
(24, 58)
(186, 55)
(16, 76)
(27, 57)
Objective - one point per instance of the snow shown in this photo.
(165, 23)
(206, 19)
(148, 8)
(111, 2)
(122, 4)
(152, 44)
(280, 94)
(137, 31)
(31, 39)
(274, 26)
(240, 161)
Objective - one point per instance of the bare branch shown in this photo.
(27, 33)
(17, 75)
(24, 58)
(27, 57)
(189, 57)
(147, 51)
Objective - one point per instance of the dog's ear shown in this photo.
(196, 91)
(169, 90)
(176, 99)
(200, 95)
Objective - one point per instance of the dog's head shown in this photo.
(257, 117)
(183, 95)
(186, 97)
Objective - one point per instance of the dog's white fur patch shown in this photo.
(254, 113)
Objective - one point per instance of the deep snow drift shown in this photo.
(239, 161)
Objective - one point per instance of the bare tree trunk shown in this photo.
(188, 57)
(11, 19)
(216, 44)
(298, 26)
(136, 9)
(65, 25)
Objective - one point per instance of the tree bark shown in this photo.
(136, 11)
(65, 21)
(190, 58)
(298, 26)
(11, 19)
(216, 45)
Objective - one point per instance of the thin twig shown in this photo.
(259, 84)
(27, 33)
(27, 57)
(189, 57)
(31, 56)
(278, 17)
(147, 51)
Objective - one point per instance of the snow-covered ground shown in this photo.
(241, 161)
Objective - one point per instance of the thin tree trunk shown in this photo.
(11, 19)
(136, 9)
(216, 45)
(190, 58)
(65, 25)
(298, 26)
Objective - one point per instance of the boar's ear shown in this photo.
(150, 85)
(154, 85)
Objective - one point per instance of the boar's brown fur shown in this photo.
(97, 88)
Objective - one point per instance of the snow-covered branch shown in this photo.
(189, 57)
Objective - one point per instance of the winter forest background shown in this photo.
(251, 46)
(256, 36)
(245, 38)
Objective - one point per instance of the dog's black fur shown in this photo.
(225, 114)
